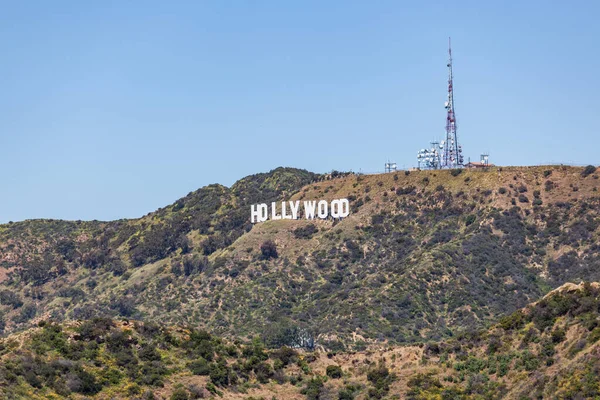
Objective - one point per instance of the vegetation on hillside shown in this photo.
(550, 349)
(423, 256)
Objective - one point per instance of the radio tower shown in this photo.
(452, 152)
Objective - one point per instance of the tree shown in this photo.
(590, 169)
(268, 250)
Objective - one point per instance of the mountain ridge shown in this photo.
(419, 257)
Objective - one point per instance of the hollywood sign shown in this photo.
(339, 208)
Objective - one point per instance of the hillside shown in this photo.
(550, 349)
(424, 255)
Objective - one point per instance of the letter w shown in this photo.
(309, 209)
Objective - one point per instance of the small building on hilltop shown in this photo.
(484, 162)
(475, 164)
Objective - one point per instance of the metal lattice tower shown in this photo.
(390, 166)
(452, 151)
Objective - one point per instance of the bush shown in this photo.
(286, 355)
(263, 372)
(219, 374)
(314, 388)
(502, 190)
(27, 312)
(180, 394)
(305, 232)
(268, 250)
(523, 199)
(405, 190)
(381, 378)
(512, 322)
(590, 169)
(9, 298)
(594, 335)
(558, 335)
(334, 371)
(456, 172)
(470, 219)
(199, 367)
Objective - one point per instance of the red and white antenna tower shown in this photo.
(452, 152)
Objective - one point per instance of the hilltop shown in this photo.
(424, 255)
(549, 349)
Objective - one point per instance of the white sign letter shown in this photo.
(274, 215)
(294, 206)
(258, 213)
(264, 212)
(309, 209)
(254, 213)
(284, 214)
(344, 208)
(323, 209)
(335, 209)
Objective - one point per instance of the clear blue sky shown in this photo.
(112, 109)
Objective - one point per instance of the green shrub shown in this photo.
(594, 336)
(285, 355)
(9, 298)
(179, 394)
(349, 392)
(334, 371)
(219, 374)
(529, 361)
(263, 372)
(381, 379)
(305, 232)
(513, 321)
(558, 335)
(314, 388)
(456, 172)
(470, 219)
(28, 311)
(199, 367)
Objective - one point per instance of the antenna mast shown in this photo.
(452, 152)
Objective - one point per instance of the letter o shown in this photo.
(335, 208)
